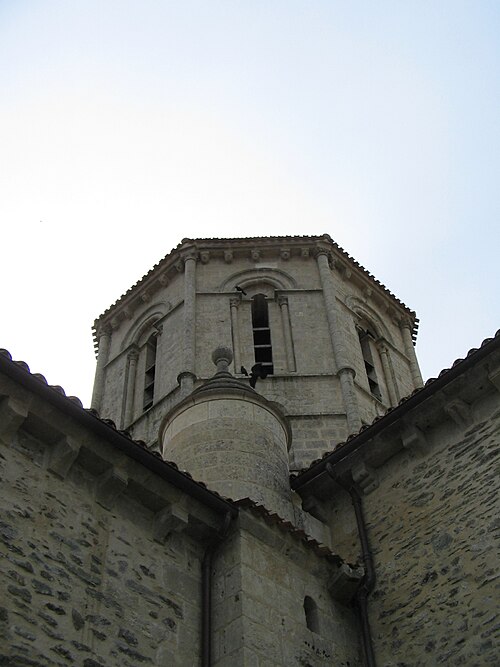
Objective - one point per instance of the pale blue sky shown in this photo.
(126, 126)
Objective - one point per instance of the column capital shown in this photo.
(133, 354)
(282, 300)
(405, 323)
(235, 301)
(164, 279)
(190, 254)
(104, 330)
(321, 250)
(349, 370)
(382, 345)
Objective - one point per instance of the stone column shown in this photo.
(344, 369)
(189, 349)
(390, 378)
(104, 338)
(405, 326)
(235, 327)
(132, 357)
(287, 333)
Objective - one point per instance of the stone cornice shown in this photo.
(263, 248)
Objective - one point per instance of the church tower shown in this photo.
(330, 346)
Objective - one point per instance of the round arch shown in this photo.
(143, 325)
(275, 278)
(370, 316)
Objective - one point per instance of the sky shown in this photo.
(127, 126)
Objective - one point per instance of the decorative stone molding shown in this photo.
(255, 254)
(367, 293)
(365, 477)
(494, 376)
(164, 279)
(12, 415)
(404, 322)
(285, 253)
(460, 412)
(62, 455)
(414, 440)
(109, 486)
(344, 271)
(171, 519)
(205, 256)
(179, 266)
(282, 300)
(235, 301)
(305, 253)
(228, 256)
(133, 354)
(145, 297)
(345, 582)
(104, 330)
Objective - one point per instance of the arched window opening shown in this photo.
(311, 613)
(149, 374)
(367, 341)
(262, 333)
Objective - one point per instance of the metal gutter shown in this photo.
(368, 581)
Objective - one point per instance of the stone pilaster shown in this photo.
(234, 303)
(390, 378)
(287, 333)
(132, 357)
(189, 313)
(104, 336)
(344, 369)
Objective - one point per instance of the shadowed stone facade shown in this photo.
(382, 552)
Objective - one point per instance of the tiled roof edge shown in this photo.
(259, 239)
(20, 371)
(273, 519)
(417, 396)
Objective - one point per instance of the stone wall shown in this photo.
(83, 585)
(434, 530)
(100, 557)
(264, 576)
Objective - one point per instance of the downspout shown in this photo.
(206, 592)
(368, 581)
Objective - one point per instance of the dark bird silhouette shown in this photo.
(258, 372)
(240, 289)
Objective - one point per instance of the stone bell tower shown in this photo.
(337, 347)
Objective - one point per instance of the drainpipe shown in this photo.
(206, 592)
(368, 581)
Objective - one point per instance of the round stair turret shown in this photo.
(228, 436)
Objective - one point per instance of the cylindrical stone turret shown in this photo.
(226, 435)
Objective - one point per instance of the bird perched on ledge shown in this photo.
(257, 372)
